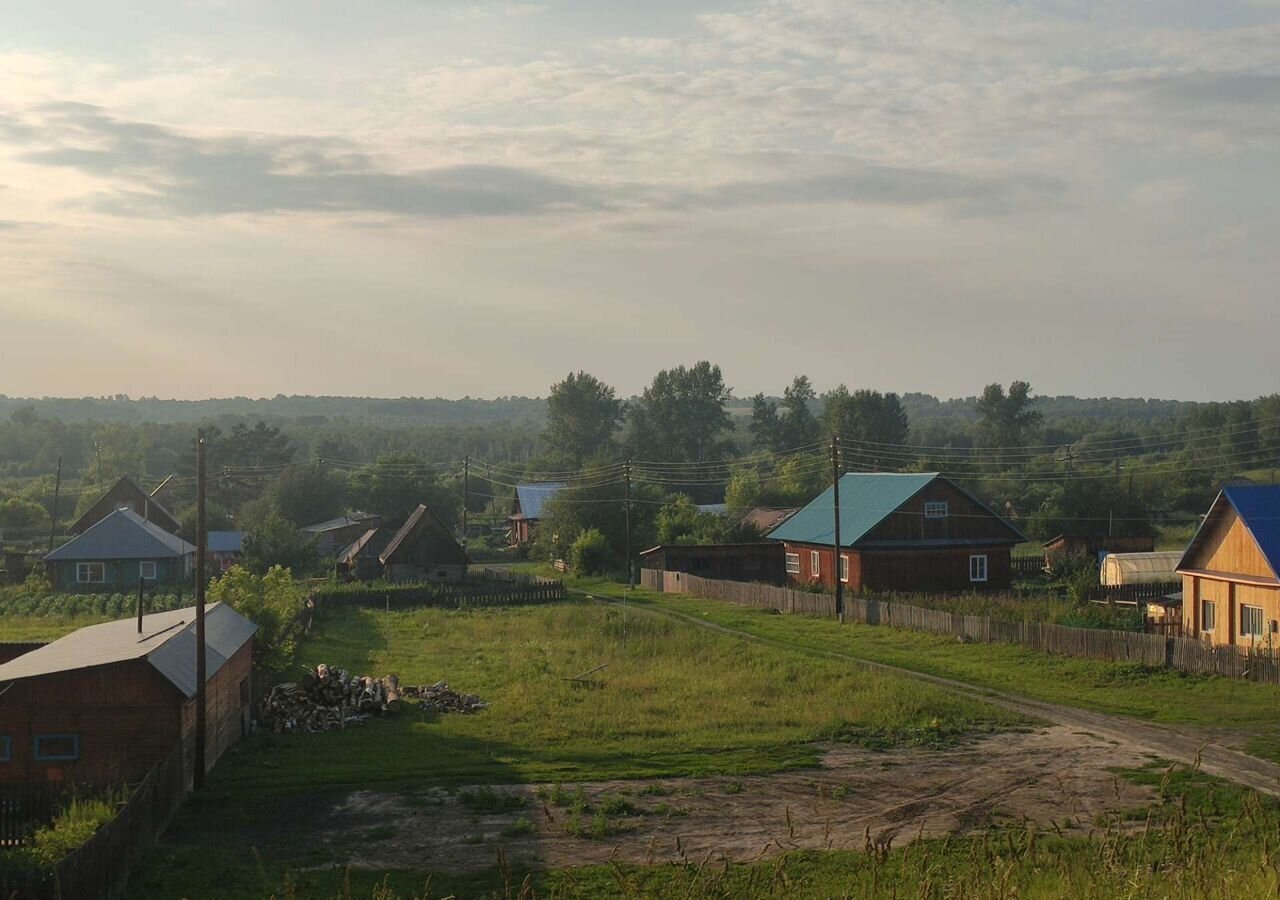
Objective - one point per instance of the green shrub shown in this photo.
(271, 601)
(589, 554)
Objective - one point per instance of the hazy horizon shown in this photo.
(216, 198)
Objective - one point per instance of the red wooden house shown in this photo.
(899, 532)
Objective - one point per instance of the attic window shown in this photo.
(936, 509)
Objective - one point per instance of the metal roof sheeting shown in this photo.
(226, 542)
(122, 535)
(167, 642)
(531, 497)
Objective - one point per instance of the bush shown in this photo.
(589, 554)
(271, 601)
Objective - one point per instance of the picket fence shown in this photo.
(1154, 650)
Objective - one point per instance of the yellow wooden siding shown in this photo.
(1230, 548)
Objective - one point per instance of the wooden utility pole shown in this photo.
(626, 506)
(835, 491)
(140, 584)
(466, 485)
(53, 513)
(202, 540)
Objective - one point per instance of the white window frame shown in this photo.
(936, 509)
(142, 569)
(793, 563)
(1254, 612)
(844, 568)
(815, 563)
(1208, 622)
(83, 569)
(978, 561)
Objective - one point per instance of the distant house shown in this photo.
(226, 549)
(334, 535)
(526, 508)
(761, 561)
(105, 703)
(424, 549)
(1231, 570)
(764, 519)
(117, 551)
(360, 559)
(125, 494)
(899, 532)
(1093, 546)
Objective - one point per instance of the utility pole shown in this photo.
(466, 486)
(627, 511)
(202, 539)
(835, 491)
(53, 514)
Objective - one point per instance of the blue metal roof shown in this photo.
(226, 542)
(866, 499)
(1258, 506)
(532, 496)
(122, 535)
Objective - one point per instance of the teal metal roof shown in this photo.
(866, 499)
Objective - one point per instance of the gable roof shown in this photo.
(1258, 507)
(356, 518)
(531, 497)
(765, 518)
(371, 544)
(421, 518)
(122, 535)
(126, 487)
(167, 642)
(866, 500)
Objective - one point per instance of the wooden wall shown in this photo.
(914, 570)
(1227, 597)
(1230, 548)
(226, 715)
(966, 519)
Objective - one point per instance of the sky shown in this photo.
(445, 198)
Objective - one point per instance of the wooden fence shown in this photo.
(24, 808)
(1026, 565)
(99, 868)
(513, 593)
(1154, 650)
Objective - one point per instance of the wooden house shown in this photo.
(105, 703)
(1231, 570)
(761, 561)
(361, 559)
(332, 536)
(899, 532)
(117, 551)
(526, 508)
(424, 549)
(125, 494)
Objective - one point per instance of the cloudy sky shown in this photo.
(429, 197)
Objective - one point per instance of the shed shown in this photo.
(360, 559)
(105, 703)
(899, 532)
(1094, 546)
(424, 549)
(1140, 568)
(125, 494)
(331, 536)
(226, 548)
(760, 561)
(526, 508)
(117, 551)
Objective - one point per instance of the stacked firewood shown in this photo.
(440, 698)
(328, 698)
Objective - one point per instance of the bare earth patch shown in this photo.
(1055, 777)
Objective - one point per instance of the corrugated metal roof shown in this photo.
(1258, 506)
(226, 542)
(531, 497)
(866, 499)
(356, 518)
(122, 535)
(167, 642)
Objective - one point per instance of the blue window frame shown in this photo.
(6, 748)
(57, 747)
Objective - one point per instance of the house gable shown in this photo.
(1224, 544)
(920, 519)
(125, 493)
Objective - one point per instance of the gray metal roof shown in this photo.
(167, 642)
(531, 497)
(123, 535)
(226, 542)
(356, 518)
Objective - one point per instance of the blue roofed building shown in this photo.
(526, 508)
(118, 550)
(899, 532)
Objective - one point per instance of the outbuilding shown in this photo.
(424, 549)
(760, 561)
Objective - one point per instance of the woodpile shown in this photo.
(327, 699)
(440, 698)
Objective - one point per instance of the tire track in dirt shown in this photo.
(1158, 740)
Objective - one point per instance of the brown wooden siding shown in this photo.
(965, 520)
(226, 716)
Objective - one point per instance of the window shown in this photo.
(936, 509)
(147, 570)
(91, 573)
(815, 569)
(844, 568)
(793, 563)
(1251, 621)
(978, 567)
(6, 748)
(1207, 617)
(54, 747)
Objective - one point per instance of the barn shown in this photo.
(103, 704)
(899, 532)
(424, 549)
(1231, 570)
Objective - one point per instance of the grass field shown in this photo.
(676, 700)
